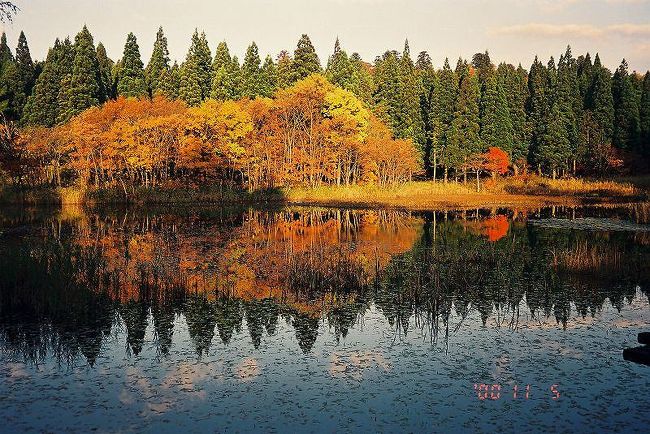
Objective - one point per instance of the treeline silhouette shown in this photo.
(68, 281)
(559, 117)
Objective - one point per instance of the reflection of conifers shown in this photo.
(64, 288)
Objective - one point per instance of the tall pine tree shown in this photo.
(81, 89)
(158, 64)
(251, 80)
(131, 82)
(305, 60)
(627, 129)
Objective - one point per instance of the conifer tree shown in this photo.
(626, 109)
(251, 83)
(108, 89)
(305, 60)
(170, 82)
(514, 83)
(427, 78)
(284, 63)
(569, 103)
(538, 105)
(226, 83)
(411, 124)
(362, 84)
(554, 146)
(585, 76)
(496, 126)
(339, 69)
(464, 139)
(82, 89)
(158, 64)
(131, 81)
(190, 83)
(484, 66)
(601, 102)
(388, 91)
(644, 115)
(442, 115)
(196, 71)
(268, 77)
(6, 56)
(42, 106)
(19, 77)
(221, 57)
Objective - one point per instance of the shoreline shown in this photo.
(416, 196)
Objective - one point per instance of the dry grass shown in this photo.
(586, 259)
(520, 191)
(535, 185)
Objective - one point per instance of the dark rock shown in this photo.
(637, 355)
(644, 338)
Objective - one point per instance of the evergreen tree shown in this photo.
(305, 60)
(221, 57)
(538, 104)
(644, 115)
(496, 126)
(464, 140)
(19, 77)
(6, 56)
(251, 81)
(601, 102)
(411, 123)
(196, 71)
(554, 146)
(284, 69)
(170, 82)
(339, 69)
(627, 129)
(158, 64)
(569, 103)
(388, 91)
(107, 89)
(442, 115)
(190, 83)
(131, 81)
(362, 84)
(268, 77)
(484, 66)
(427, 78)
(585, 76)
(81, 89)
(226, 83)
(514, 83)
(42, 106)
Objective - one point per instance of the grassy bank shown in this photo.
(521, 191)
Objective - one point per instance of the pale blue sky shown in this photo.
(512, 30)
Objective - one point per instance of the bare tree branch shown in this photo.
(7, 11)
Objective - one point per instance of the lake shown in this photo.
(323, 320)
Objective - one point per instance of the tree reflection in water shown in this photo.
(69, 279)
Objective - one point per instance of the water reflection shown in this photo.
(72, 279)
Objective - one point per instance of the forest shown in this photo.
(79, 118)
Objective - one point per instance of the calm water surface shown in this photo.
(326, 320)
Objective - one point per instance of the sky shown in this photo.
(512, 30)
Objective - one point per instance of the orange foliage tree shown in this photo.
(310, 134)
